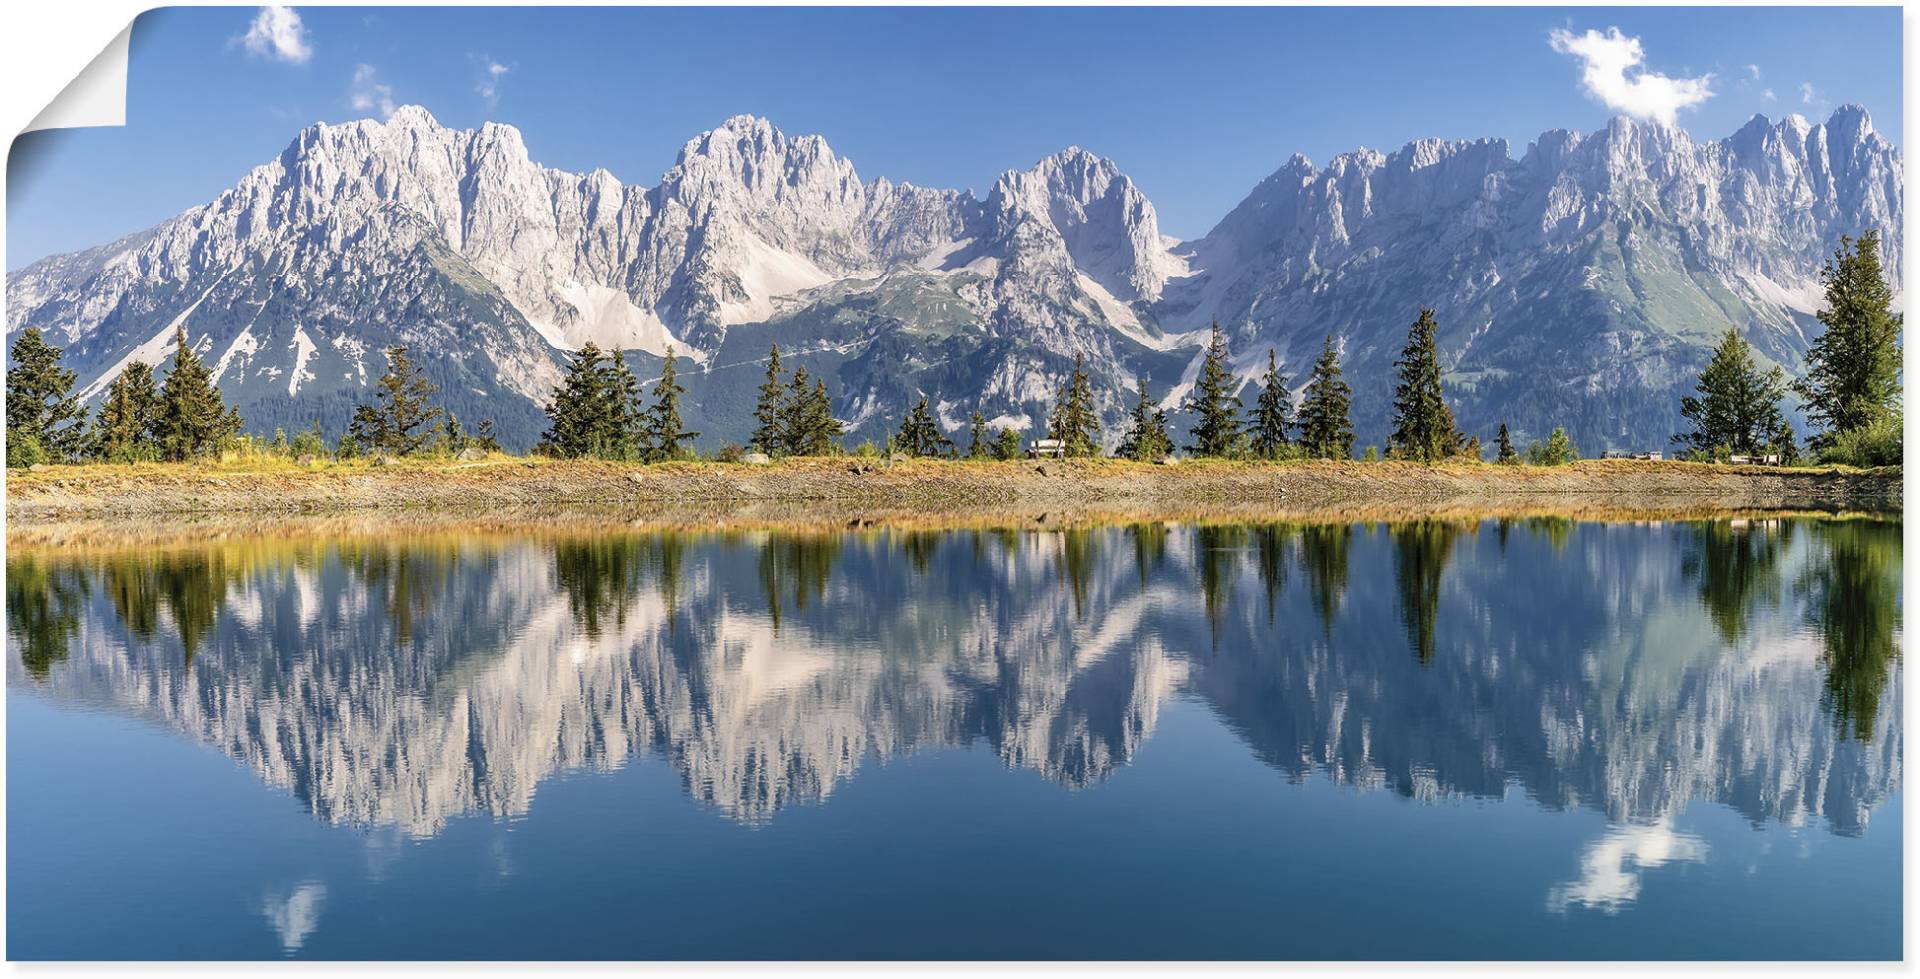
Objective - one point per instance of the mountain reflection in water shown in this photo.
(1629, 668)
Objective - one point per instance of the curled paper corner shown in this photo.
(97, 96)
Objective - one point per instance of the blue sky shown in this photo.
(1196, 105)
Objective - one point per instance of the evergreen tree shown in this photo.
(194, 418)
(578, 422)
(1422, 423)
(1853, 369)
(1506, 456)
(453, 438)
(666, 433)
(828, 429)
(1784, 444)
(1326, 430)
(1074, 422)
(976, 436)
(43, 416)
(401, 422)
(920, 435)
(792, 427)
(1558, 451)
(483, 437)
(626, 418)
(1738, 407)
(770, 432)
(1214, 400)
(1006, 444)
(1146, 439)
(127, 427)
(811, 430)
(1271, 412)
(366, 431)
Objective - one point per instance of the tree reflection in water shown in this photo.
(1421, 549)
(1592, 668)
(1853, 581)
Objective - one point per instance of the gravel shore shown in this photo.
(849, 485)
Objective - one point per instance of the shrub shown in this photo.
(241, 447)
(1875, 444)
(127, 454)
(25, 450)
(307, 443)
(729, 452)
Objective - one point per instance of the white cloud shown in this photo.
(1754, 72)
(1613, 70)
(1608, 881)
(276, 32)
(1808, 96)
(1767, 93)
(368, 92)
(489, 84)
(295, 916)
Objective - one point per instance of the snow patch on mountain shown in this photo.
(607, 318)
(303, 351)
(1807, 296)
(242, 348)
(763, 274)
(156, 349)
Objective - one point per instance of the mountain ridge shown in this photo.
(1635, 242)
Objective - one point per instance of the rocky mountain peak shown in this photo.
(412, 117)
(1852, 122)
(1106, 225)
(1607, 254)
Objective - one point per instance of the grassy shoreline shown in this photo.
(82, 537)
(848, 485)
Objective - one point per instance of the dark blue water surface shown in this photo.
(1508, 738)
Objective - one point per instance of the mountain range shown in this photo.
(1581, 284)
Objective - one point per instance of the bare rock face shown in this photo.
(1577, 284)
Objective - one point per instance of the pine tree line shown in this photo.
(1851, 390)
(794, 418)
(599, 411)
(182, 416)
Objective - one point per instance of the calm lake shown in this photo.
(1525, 738)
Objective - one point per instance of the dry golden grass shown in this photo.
(303, 534)
(841, 488)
